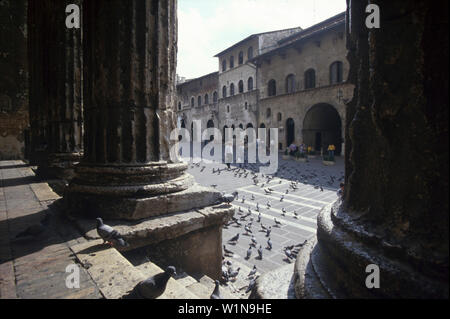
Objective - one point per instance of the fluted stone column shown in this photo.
(65, 101)
(56, 101)
(36, 35)
(129, 76)
(394, 213)
(126, 175)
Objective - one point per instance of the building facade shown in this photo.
(293, 79)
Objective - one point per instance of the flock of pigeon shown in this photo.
(154, 286)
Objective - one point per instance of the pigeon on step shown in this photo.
(110, 235)
(155, 286)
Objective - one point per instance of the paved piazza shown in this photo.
(307, 200)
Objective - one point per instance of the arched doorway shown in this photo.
(322, 127)
(210, 124)
(290, 131)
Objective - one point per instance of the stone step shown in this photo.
(201, 288)
(275, 284)
(115, 276)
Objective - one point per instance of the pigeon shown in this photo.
(249, 253)
(227, 251)
(268, 231)
(284, 211)
(228, 198)
(251, 285)
(247, 229)
(154, 286)
(321, 188)
(253, 271)
(269, 244)
(216, 293)
(253, 197)
(277, 222)
(295, 214)
(235, 238)
(259, 218)
(301, 244)
(288, 254)
(108, 234)
(260, 252)
(234, 274)
(213, 185)
(254, 242)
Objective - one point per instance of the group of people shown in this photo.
(303, 149)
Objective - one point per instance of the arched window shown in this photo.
(246, 106)
(336, 72)
(215, 97)
(199, 100)
(224, 91)
(250, 84)
(228, 109)
(290, 83)
(250, 53)
(241, 126)
(224, 65)
(179, 105)
(206, 98)
(241, 57)
(279, 117)
(272, 88)
(268, 112)
(231, 89)
(310, 79)
(231, 62)
(192, 102)
(241, 86)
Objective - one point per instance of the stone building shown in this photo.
(198, 100)
(237, 84)
(302, 86)
(292, 79)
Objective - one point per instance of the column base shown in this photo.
(58, 165)
(333, 264)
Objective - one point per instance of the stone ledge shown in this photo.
(306, 283)
(275, 284)
(135, 209)
(157, 229)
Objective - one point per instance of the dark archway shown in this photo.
(290, 131)
(210, 124)
(322, 127)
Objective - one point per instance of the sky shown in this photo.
(206, 27)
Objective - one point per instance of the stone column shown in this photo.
(394, 213)
(65, 98)
(126, 173)
(36, 35)
(55, 104)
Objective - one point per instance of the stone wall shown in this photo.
(13, 78)
(319, 52)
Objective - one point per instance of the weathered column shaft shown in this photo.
(35, 61)
(130, 59)
(394, 212)
(129, 76)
